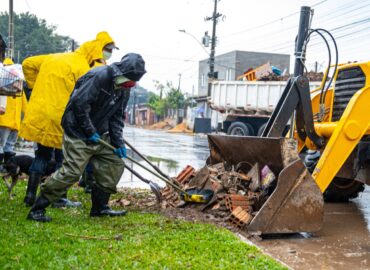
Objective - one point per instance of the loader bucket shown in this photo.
(296, 203)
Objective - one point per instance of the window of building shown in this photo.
(203, 81)
(228, 75)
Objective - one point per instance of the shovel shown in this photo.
(147, 160)
(153, 186)
(193, 195)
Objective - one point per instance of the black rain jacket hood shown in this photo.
(132, 66)
(96, 106)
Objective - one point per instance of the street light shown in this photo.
(201, 45)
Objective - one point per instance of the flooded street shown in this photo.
(343, 243)
(170, 152)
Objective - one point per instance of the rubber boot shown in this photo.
(64, 202)
(81, 182)
(89, 181)
(100, 207)
(37, 212)
(33, 183)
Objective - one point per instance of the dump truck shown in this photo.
(327, 149)
(244, 107)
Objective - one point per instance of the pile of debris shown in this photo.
(239, 192)
(312, 77)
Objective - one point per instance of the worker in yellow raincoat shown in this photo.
(52, 78)
(10, 121)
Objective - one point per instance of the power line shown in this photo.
(262, 38)
(270, 22)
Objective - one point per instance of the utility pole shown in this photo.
(214, 18)
(178, 88)
(134, 108)
(11, 30)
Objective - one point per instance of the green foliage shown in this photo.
(157, 104)
(140, 240)
(33, 36)
(174, 99)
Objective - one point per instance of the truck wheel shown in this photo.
(240, 129)
(340, 189)
(261, 129)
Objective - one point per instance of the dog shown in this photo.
(15, 167)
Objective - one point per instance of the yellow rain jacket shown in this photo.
(52, 79)
(12, 116)
(14, 107)
(105, 39)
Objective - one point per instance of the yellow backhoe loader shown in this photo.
(327, 151)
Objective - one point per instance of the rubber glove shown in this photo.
(94, 138)
(121, 152)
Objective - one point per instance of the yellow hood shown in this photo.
(7, 62)
(91, 50)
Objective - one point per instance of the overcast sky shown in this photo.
(151, 28)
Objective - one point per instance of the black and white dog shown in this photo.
(15, 166)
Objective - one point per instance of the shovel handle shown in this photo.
(137, 175)
(144, 158)
(145, 168)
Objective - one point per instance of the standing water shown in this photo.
(170, 152)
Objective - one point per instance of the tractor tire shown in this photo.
(340, 189)
(240, 129)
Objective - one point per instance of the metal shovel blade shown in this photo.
(296, 204)
(156, 190)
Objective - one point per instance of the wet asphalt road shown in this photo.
(343, 243)
(170, 152)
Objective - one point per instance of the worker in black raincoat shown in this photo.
(95, 111)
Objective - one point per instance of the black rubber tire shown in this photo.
(240, 129)
(261, 129)
(340, 189)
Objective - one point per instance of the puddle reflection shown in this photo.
(169, 152)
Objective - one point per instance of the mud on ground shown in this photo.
(143, 200)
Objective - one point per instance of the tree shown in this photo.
(157, 104)
(175, 99)
(33, 36)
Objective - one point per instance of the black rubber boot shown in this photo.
(37, 212)
(64, 202)
(89, 182)
(33, 183)
(100, 206)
